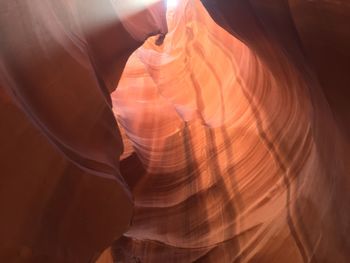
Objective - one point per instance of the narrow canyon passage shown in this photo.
(232, 157)
(223, 139)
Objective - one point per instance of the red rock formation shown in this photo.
(230, 135)
(234, 128)
(62, 196)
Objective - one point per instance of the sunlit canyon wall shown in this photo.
(234, 132)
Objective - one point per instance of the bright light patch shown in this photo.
(172, 3)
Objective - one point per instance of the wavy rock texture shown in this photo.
(235, 133)
(232, 137)
(62, 197)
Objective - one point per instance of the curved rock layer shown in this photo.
(233, 141)
(62, 197)
(235, 132)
